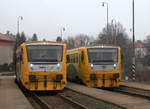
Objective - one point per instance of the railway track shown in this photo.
(74, 103)
(122, 97)
(71, 98)
(68, 99)
(76, 100)
(51, 100)
(134, 91)
(88, 101)
(56, 101)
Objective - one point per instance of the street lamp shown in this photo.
(19, 18)
(133, 59)
(103, 4)
(61, 32)
(113, 20)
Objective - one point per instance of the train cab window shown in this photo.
(82, 57)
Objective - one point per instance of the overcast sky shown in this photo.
(47, 17)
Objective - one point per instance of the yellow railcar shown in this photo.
(41, 66)
(95, 66)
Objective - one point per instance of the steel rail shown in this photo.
(42, 103)
(74, 103)
(134, 91)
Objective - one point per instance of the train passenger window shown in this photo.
(82, 57)
(74, 59)
(68, 59)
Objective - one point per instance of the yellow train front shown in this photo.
(95, 66)
(41, 66)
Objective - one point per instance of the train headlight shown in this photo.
(58, 66)
(116, 75)
(31, 66)
(93, 76)
(32, 77)
(59, 77)
(91, 66)
(115, 65)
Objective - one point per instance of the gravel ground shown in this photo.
(56, 102)
(90, 102)
(33, 103)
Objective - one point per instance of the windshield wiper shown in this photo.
(103, 60)
(44, 60)
(53, 60)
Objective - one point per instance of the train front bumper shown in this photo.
(45, 82)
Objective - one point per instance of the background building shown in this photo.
(140, 49)
(6, 49)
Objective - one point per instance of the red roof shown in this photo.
(5, 38)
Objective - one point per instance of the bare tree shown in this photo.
(112, 34)
(70, 41)
(59, 39)
(116, 35)
(78, 41)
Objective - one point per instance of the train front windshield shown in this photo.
(44, 53)
(101, 55)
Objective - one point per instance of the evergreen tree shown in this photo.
(44, 39)
(22, 38)
(59, 39)
(34, 37)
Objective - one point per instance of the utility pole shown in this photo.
(19, 18)
(61, 32)
(103, 4)
(114, 30)
(133, 58)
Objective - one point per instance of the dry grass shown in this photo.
(140, 74)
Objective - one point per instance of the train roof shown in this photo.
(95, 46)
(44, 43)
(75, 50)
(103, 46)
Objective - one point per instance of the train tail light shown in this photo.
(93, 76)
(32, 77)
(116, 75)
(59, 77)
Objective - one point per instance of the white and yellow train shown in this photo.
(41, 66)
(95, 66)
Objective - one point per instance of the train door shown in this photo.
(81, 64)
(18, 64)
(21, 64)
